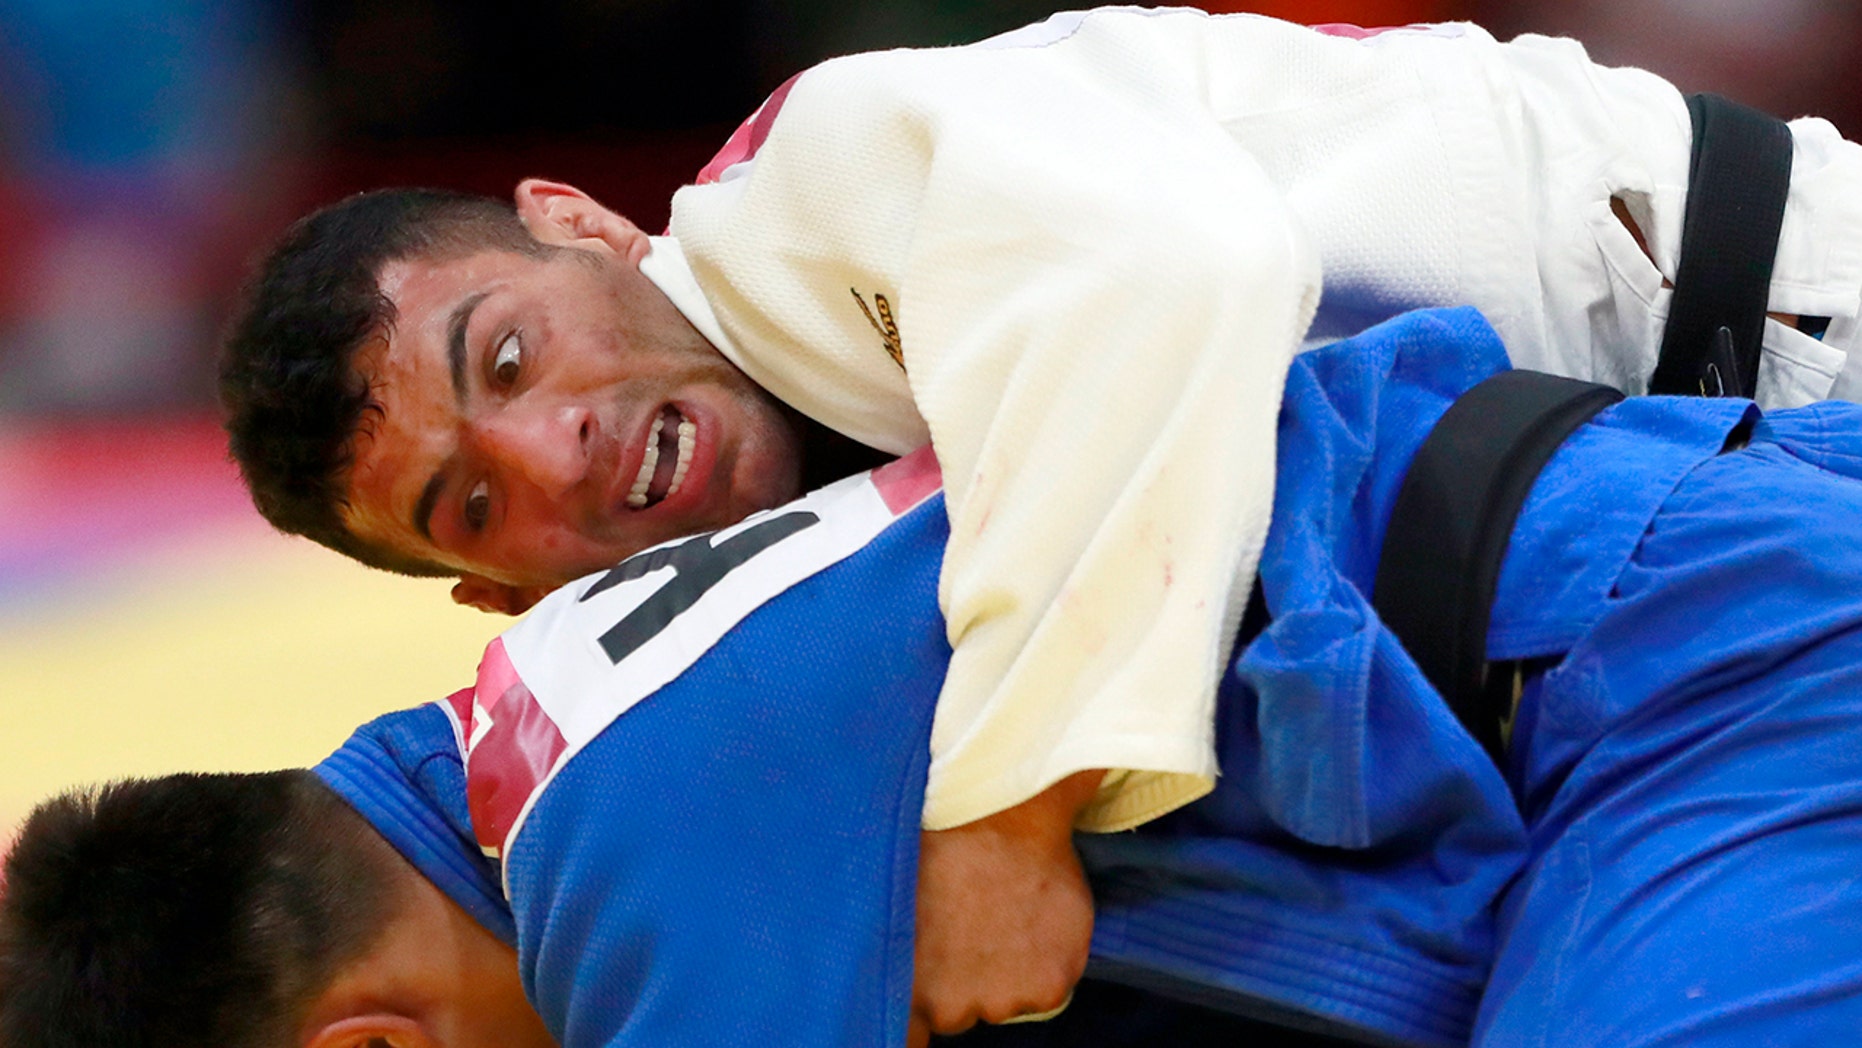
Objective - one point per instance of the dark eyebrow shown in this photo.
(456, 350)
(423, 509)
(456, 364)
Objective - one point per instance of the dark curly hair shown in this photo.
(186, 910)
(292, 400)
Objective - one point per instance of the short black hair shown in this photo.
(186, 910)
(292, 401)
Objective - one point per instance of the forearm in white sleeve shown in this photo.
(1098, 324)
(1096, 293)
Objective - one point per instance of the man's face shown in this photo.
(545, 417)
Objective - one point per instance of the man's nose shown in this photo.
(544, 444)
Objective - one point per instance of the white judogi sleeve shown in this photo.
(1096, 299)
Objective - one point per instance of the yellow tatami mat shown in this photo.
(211, 645)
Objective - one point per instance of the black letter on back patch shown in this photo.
(699, 566)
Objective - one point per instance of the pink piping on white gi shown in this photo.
(749, 136)
(1352, 32)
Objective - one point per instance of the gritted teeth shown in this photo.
(688, 439)
(649, 462)
(665, 461)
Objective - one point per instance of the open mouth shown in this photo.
(668, 456)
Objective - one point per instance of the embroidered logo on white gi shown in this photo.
(887, 328)
(594, 649)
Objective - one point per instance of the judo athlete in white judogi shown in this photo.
(1076, 259)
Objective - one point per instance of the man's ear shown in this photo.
(477, 591)
(563, 216)
(372, 1031)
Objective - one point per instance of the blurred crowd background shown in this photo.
(149, 147)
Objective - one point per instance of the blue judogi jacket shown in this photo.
(726, 854)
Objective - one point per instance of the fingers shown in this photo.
(1040, 1016)
(927, 1020)
(950, 1006)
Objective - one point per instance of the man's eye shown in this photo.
(508, 360)
(478, 507)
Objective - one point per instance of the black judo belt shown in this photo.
(1736, 187)
(1456, 508)
(1451, 523)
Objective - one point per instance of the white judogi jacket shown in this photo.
(1076, 258)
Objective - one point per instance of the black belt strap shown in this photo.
(1737, 182)
(1451, 522)
(1455, 511)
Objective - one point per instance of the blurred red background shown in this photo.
(149, 147)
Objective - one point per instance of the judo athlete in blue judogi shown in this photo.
(693, 790)
(1668, 856)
